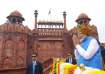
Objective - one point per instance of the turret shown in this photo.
(15, 17)
(36, 14)
(64, 16)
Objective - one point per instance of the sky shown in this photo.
(95, 9)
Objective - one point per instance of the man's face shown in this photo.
(69, 56)
(34, 58)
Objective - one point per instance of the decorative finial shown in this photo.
(36, 13)
(64, 13)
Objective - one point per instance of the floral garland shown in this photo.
(56, 65)
(55, 68)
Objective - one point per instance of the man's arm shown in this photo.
(91, 50)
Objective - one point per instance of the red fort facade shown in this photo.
(49, 39)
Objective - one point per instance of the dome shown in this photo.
(16, 14)
(82, 16)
